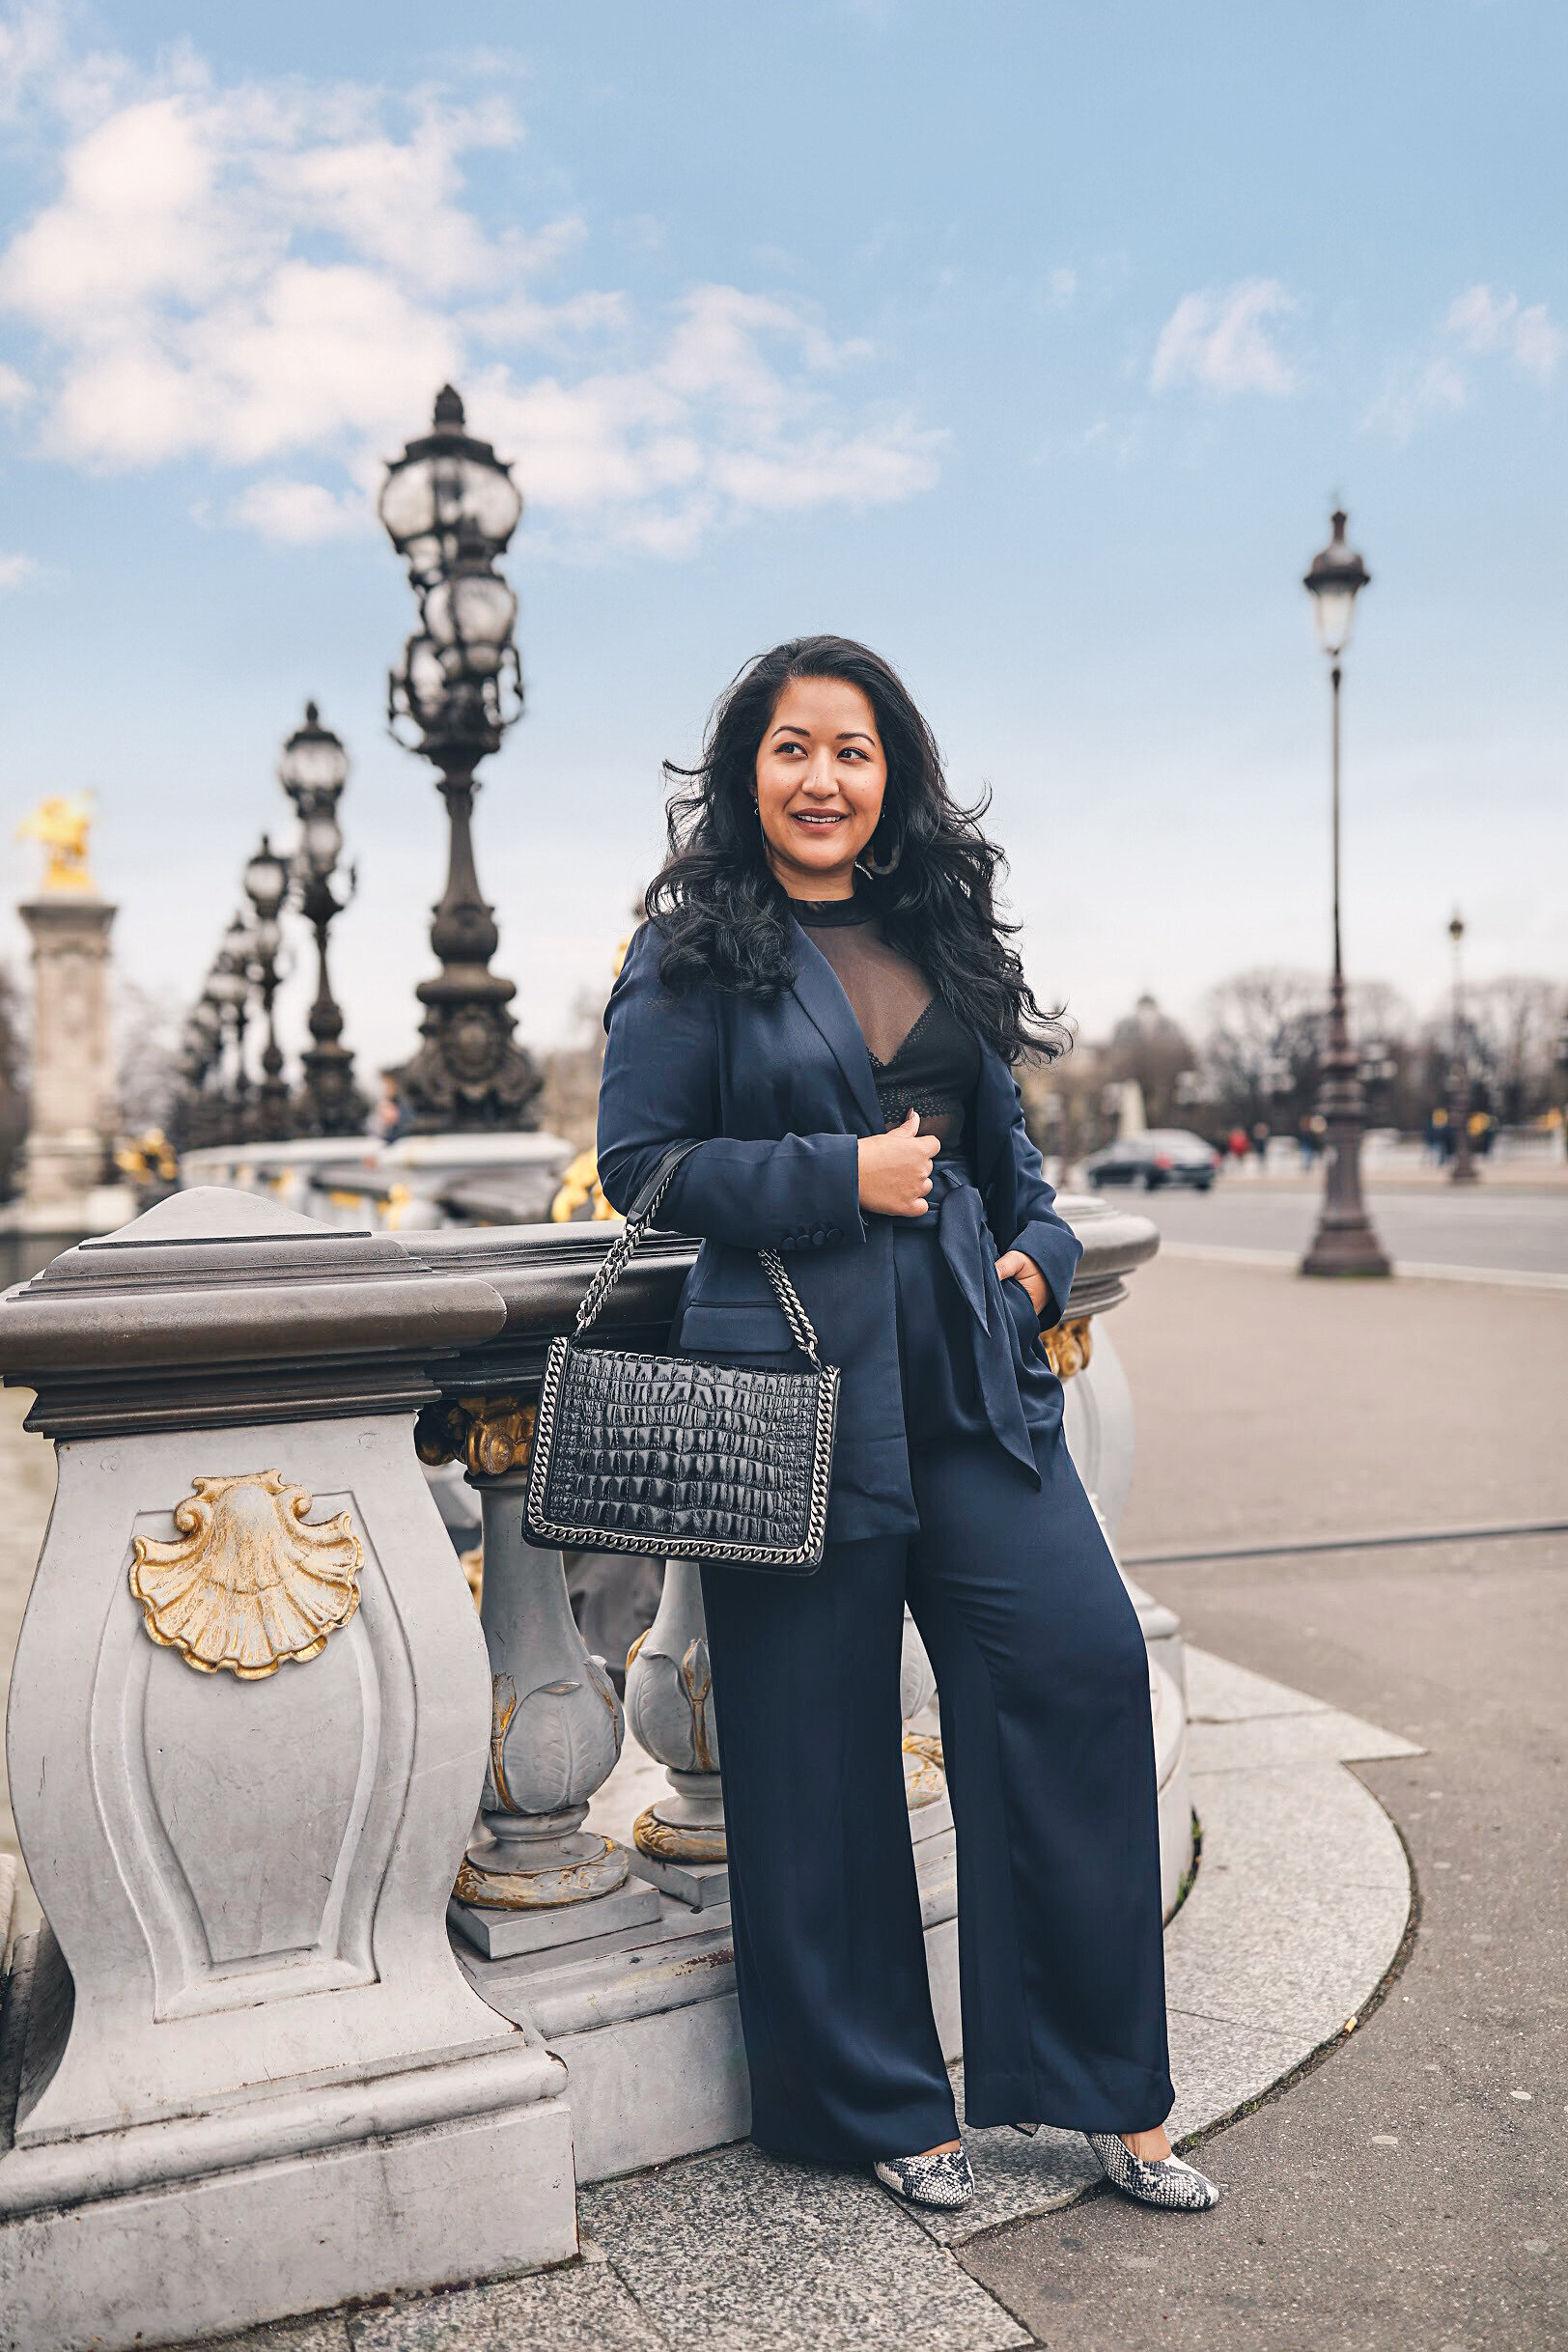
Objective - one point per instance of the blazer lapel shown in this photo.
(818, 990)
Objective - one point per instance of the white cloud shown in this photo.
(14, 390)
(275, 278)
(298, 513)
(1485, 321)
(15, 570)
(1480, 325)
(1219, 341)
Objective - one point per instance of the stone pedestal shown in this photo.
(72, 1122)
(248, 1729)
(72, 1088)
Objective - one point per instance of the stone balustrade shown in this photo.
(335, 1959)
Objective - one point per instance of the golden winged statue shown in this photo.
(62, 828)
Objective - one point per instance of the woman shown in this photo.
(825, 994)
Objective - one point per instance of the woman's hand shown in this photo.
(895, 1170)
(1013, 1262)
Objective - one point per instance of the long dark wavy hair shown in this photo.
(724, 917)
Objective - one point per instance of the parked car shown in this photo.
(1166, 1155)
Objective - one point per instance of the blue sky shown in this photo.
(1032, 342)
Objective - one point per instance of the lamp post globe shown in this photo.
(313, 769)
(450, 506)
(1344, 1242)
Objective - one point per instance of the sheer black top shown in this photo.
(922, 1056)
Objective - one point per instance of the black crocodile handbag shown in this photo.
(671, 1455)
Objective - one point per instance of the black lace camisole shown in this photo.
(922, 1056)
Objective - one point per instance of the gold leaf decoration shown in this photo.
(1069, 1346)
(249, 1584)
(489, 1434)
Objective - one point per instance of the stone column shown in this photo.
(72, 1093)
(669, 1697)
(248, 1729)
(533, 1878)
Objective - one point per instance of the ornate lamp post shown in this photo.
(229, 985)
(266, 881)
(1462, 1167)
(201, 1050)
(450, 507)
(1344, 1242)
(312, 769)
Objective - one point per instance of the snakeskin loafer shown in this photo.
(942, 2180)
(1176, 2186)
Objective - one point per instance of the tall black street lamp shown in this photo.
(450, 507)
(267, 881)
(1462, 1167)
(312, 769)
(1344, 1242)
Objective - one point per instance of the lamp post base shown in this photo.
(469, 1075)
(1344, 1242)
(1345, 1249)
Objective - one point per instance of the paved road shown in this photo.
(1405, 2195)
(1520, 1231)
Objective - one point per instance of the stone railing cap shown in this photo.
(216, 1278)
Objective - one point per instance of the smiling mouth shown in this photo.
(817, 817)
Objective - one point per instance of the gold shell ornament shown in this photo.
(249, 1584)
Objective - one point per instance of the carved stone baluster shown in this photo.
(680, 1839)
(533, 1878)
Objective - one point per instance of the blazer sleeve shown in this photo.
(1042, 1235)
(660, 1085)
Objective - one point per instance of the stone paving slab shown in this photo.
(1220, 1691)
(1259, 1742)
(1283, 1941)
(584, 2308)
(328, 2332)
(738, 2252)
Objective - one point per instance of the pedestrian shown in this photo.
(825, 994)
(390, 1120)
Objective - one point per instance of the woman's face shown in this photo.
(821, 775)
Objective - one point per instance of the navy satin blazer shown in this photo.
(782, 1093)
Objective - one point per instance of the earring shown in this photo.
(869, 864)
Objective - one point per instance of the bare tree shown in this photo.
(1512, 1026)
(1260, 1050)
(148, 1078)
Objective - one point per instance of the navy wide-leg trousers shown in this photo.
(1042, 1680)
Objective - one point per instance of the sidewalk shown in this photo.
(1403, 2196)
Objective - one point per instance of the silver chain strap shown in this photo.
(618, 1257)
